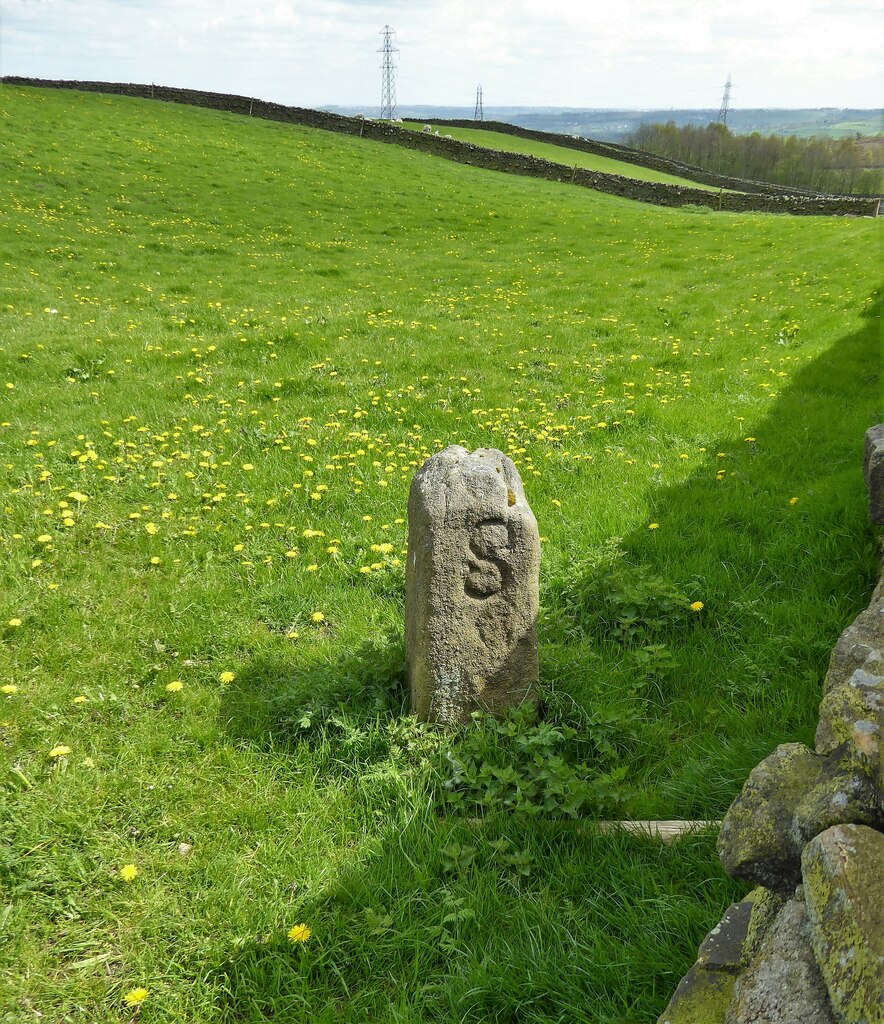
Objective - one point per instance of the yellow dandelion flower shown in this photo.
(60, 751)
(226, 677)
(44, 538)
(300, 933)
(136, 996)
(653, 526)
(8, 688)
(793, 501)
(174, 686)
(128, 872)
(696, 606)
(247, 466)
(79, 700)
(15, 623)
(317, 617)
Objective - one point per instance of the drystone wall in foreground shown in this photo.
(807, 945)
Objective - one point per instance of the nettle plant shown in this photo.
(615, 600)
(519, 765)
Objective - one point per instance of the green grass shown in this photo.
(226, 346)
(558, 154)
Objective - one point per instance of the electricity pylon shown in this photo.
(388, 76)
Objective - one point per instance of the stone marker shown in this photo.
(471, 587)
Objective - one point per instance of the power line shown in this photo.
(479, 113)
(388, 76)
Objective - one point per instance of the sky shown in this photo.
(627, 54)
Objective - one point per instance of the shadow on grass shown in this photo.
(271, 705)
(515, 922)
(774, 539)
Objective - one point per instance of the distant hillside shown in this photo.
(615, 125)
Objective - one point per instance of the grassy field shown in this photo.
(558, 154)
(226, 346)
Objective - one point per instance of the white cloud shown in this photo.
(633, 53)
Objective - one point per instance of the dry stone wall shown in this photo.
(807, 945)
(658, 193)
(627, 155)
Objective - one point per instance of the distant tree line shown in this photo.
(851, 166)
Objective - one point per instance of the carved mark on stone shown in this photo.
(487, 565)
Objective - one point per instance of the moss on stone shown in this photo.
(765, 907)
(844, 890)
(755, 842)
(702, 997)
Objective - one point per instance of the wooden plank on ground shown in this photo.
(665, 831)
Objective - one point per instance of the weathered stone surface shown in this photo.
(859, 699)
(755, 841)
(702, 997)
(793, 795)
(843, 871)
(722, 949)
(471, 587)
(863, 637)
(783, 984)
(873, 471)
(766, 905)
(843, 792)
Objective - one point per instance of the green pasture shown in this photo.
(225, 347)
(558, 154)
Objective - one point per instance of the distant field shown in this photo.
(616, 125)
(839, 129)
(225, 346)
(557, 154)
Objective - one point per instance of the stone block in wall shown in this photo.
(845, 791)
(843, 872)
(702, 997)
(790, 797)
(863, 637)
(783, 984)
(722, 949)
(853, 713)
(755, 841)
(873, 471)
(766, 905)
(705, 992)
